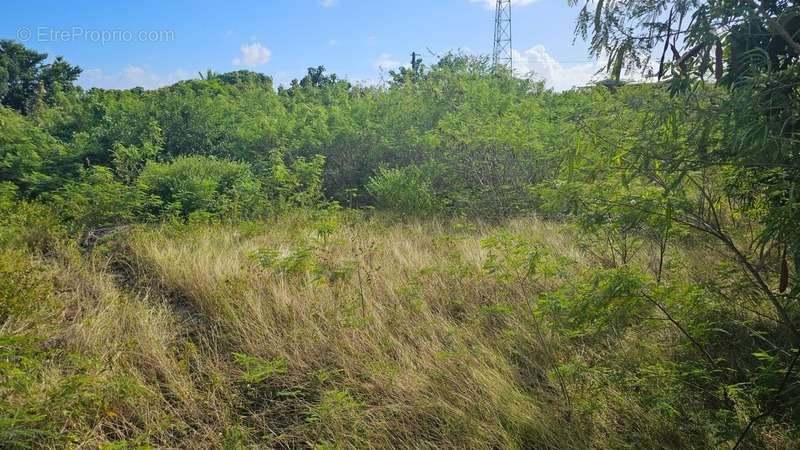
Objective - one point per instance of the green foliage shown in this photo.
(513, 259)
(98, 200)
(333, 405)
(637, 318)
(337, 416)
(193, 184)
(37, 411)
(50, 398)
(257, 370)
(22, 290)
(728, 150)
(481, 140)
(243, 78)
(8, 195)
(25, 80)
(296, 262)
(129, 161)
(28, 155)
(307, 258)
(607, 301)
(297, 184)
(241, 121)
(406, 190)
(27, 224)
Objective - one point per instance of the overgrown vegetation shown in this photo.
(460, 258)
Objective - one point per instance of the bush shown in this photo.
(27, 224)
(605, 302)
(97, 200)
(295, 184)
(406, 190)
(21, 289)
(202, 184)
(27, 154)
(8, 194)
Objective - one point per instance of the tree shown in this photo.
(729, 152)
(25, 79)
(316, 79)
(59, 75)
(749, 47)
(241, 77)
(21, 68)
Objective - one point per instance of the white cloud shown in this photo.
(386, 62)
(333, 43)
(490, 4)
(130, 77)
(557, 76)
(328, 3)
(253, 55)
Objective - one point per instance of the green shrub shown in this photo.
(202, 184)
(8, 195)
(28, 224)
(97, 200)
(27, 154)
(407, 190)
(21, 289)
(605, 302)
(295, 184)
(130, 160)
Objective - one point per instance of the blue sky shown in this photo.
(153, 43)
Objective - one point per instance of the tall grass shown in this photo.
(330, 331)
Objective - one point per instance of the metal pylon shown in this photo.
(502, 35)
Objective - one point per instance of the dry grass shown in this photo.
(336, 333)
(397, 333)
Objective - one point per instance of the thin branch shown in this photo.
(680, 327)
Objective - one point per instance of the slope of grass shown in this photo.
(333, 331)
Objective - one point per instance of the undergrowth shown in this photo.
(331, 330)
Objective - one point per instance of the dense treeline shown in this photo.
(450, 139)
(609, 267)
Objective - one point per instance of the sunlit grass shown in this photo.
(335, 331)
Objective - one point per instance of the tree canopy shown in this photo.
(26, 79)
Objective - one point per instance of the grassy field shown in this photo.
(337, 331)
(453, 254)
